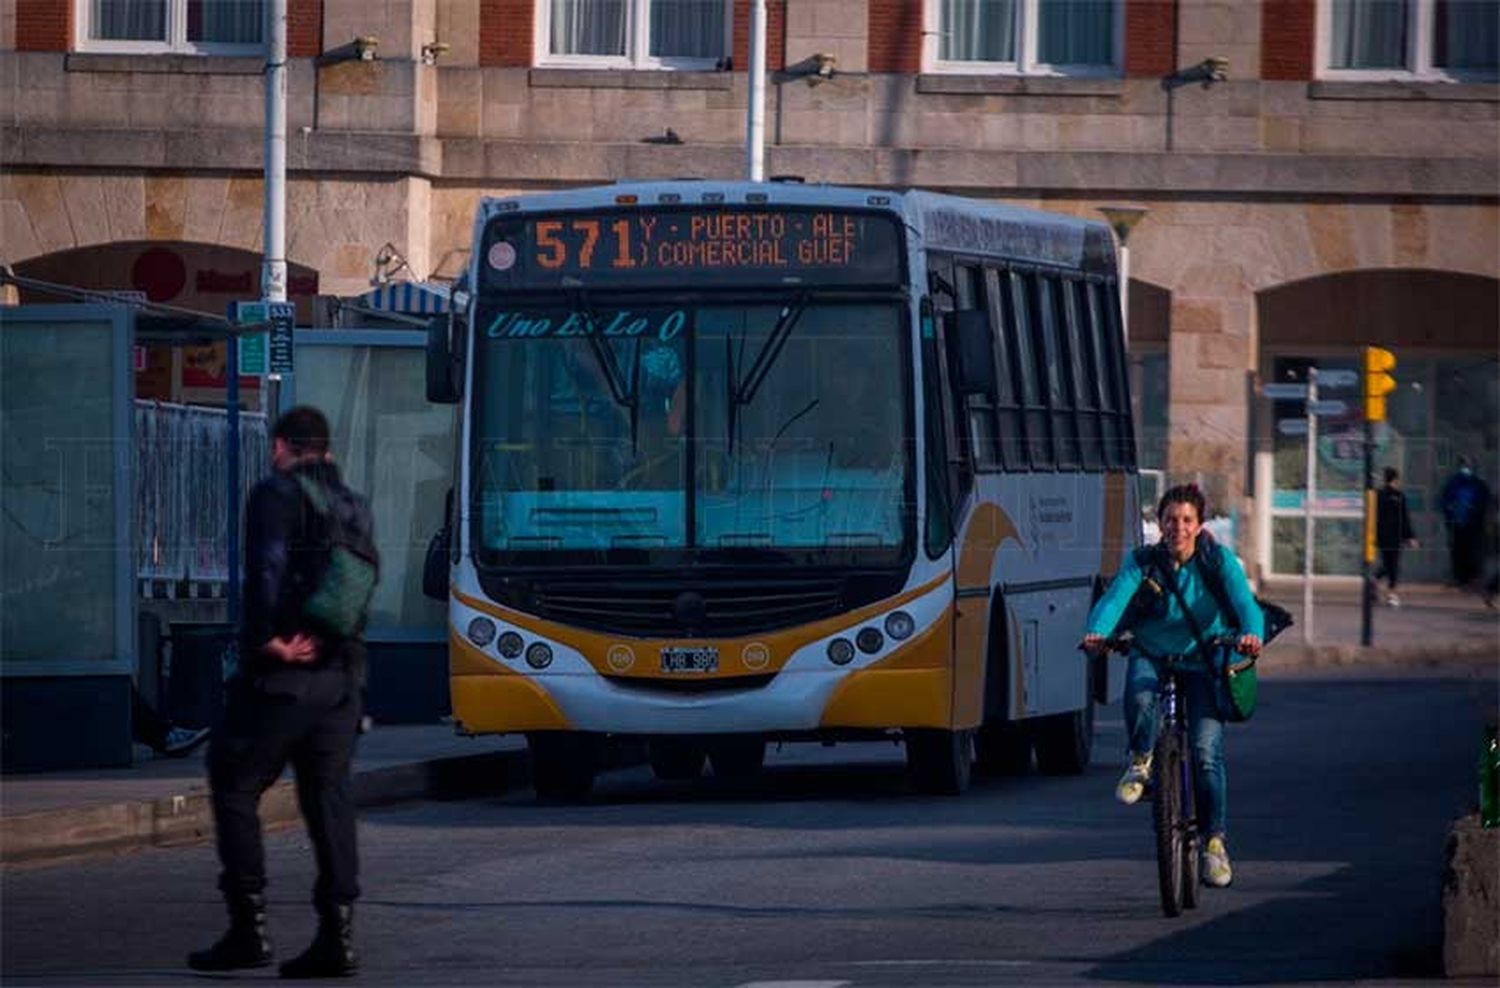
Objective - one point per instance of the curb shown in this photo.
(189, 819)
(1286, 657)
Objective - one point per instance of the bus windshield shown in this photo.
(706, 431)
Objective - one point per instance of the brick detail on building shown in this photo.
(895, 36)
(1150, 35)
(1287, 30)
(507, 32)
(739, 49)
(44, 25)
(304, 28)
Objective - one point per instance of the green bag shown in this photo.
(1241, 686)
(340, 602)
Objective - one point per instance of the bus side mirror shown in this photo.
(442, 367)
(968, 332)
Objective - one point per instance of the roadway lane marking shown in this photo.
(946, 963)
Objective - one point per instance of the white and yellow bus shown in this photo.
(777, 462)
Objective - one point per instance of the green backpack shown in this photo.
(339, 602)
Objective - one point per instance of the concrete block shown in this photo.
(1471, 901)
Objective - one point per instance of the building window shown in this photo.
(649, 34)
(1024, 37)
(1409, 39)
(195, 27)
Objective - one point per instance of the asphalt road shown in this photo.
(830, 871)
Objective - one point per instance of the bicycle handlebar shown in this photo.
(1124, 643)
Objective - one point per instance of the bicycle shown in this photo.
(1174, 812)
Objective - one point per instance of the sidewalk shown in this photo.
(165, 801)
(1434, 623)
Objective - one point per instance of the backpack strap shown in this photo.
(1212, 574)
(316, 493)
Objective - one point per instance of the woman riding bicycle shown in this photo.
(1161, 628)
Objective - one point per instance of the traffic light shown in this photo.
(1379, 362)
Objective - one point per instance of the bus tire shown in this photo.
(1065, 742)
(940, 761)
(737, 756)
(676, 759)
(1002, 749)
(563, 764)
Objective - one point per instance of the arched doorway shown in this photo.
(1444, 328)
(198, 276)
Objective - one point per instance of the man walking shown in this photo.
(1393, 531)
(297, 697)
(1466, 502)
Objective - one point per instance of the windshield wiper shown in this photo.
(626, 394)
(744, 393)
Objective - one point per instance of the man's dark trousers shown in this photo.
(308, 718)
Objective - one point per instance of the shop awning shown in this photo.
(416, 298)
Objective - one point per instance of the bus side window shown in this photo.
(1117, 360)
(978, 409)
(1010, 430)
(1018, 327)
(1100, 355)
(1052, 371)
(1085, 377)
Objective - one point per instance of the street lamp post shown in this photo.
(1122, 219)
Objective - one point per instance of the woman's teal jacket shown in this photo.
(1166, 632)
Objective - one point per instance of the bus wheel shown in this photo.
(1065, 742)
(738, 756)
(1002, 749)
(676, 759)
(563, 764)
(940, 761)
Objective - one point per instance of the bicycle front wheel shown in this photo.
(1166, 812)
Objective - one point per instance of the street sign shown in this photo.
(253, 354)
(283, 317)
(1284, 392)
(1327, 406)
(1292, 427)
(1337, 377)
(248, 312)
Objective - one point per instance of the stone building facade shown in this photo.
(1286, 200)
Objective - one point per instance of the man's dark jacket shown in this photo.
(286, 550)
(1392, 520)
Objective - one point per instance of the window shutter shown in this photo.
(1149, 29)
(44, 25)
(895, 36)
(1286, 39)
(507, 32)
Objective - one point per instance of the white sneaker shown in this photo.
(1215, 864)
(1391, 600)
(1132, 784)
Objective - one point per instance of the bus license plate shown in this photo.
(690, 660)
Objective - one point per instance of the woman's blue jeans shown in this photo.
(1205, 730)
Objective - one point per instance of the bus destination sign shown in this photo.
(692, 247)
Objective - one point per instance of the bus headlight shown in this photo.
(869, 640)
(539, 655)
(840, 651)
(481, 631)
(900, 625)
(510, 644)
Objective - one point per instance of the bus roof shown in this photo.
(939, 222)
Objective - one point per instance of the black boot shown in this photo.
(331, 954)
(244, 945)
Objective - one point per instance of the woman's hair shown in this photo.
(1183, 494)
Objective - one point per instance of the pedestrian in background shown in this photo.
(1393, 532)
(1466, 503)
(297, 699)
